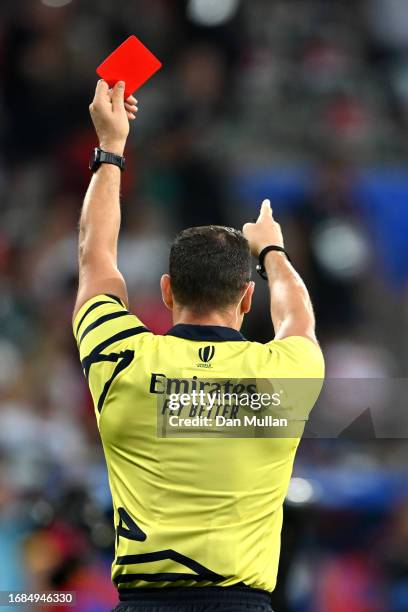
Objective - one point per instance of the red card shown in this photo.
(131, 62)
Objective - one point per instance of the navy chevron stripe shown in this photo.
(126, 358)
(89, 310)
(95, 355)
(162, 555)
(101, 320)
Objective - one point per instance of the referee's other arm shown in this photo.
(100, 217)
(291, 308)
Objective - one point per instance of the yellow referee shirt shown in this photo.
(189, 511)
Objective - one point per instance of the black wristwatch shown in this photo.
(103, 157)
(260, 268)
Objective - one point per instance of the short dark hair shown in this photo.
(209, 267)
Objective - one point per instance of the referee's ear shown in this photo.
(246, 301)
(167, 294)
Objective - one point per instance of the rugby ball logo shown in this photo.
(206, 353)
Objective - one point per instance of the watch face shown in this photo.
(94, 162)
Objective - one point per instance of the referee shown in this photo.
(197, 520)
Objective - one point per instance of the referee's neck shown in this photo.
(225, 318)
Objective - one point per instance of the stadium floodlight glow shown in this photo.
(341, 249)
(300, 491)
(211, 13)
(55, 3)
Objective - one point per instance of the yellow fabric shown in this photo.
(206, 509)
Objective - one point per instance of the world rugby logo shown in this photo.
(206, 353)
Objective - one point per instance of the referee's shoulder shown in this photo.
(299, 353)
(103, 321)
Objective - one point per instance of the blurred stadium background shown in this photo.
(305, 102)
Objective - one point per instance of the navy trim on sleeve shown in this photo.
(116, 298)
(103, 319)
(88, 311)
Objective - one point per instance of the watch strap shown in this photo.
(260, 268)
(105, 157)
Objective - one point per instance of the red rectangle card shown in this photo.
(132, 63)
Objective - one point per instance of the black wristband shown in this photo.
(104, 157)
(260, 268)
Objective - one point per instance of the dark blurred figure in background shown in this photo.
(332, 248)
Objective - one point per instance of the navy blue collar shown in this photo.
(210, 333)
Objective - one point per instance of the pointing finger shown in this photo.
(266, 209)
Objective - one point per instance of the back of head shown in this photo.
(209, 267)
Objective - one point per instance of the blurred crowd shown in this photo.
(305, 102)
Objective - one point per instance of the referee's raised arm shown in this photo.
(100, 218)
(291, 308)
